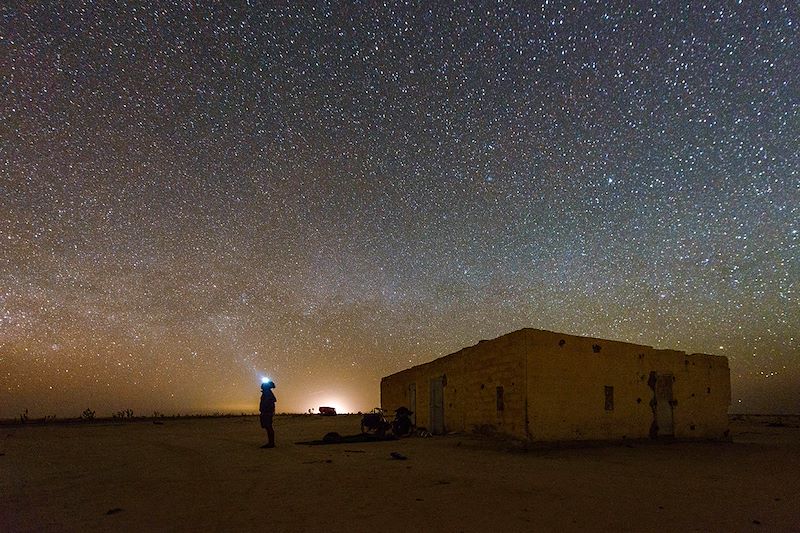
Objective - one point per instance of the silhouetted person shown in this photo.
(267, 409)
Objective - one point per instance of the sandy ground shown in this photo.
(211, 475)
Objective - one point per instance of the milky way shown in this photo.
(194, 196)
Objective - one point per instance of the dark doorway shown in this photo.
(437, 406)
(663, 405)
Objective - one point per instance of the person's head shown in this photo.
(267, 385)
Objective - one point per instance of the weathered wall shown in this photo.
(704, 396)
(555, 388)
(471, 378)
(568, 376)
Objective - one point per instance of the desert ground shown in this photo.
(209, 474)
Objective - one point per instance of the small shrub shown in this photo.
(126, 413)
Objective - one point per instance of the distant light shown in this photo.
(338, 403)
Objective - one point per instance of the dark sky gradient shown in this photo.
(193, 196)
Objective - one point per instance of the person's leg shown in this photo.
(266, 423)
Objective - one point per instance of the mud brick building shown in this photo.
(545, 386)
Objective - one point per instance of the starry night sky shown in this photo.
(193, 196)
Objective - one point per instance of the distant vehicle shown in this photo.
(327, 411)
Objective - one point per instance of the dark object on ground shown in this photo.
(156, 422)
(327, 411)
(375, 423)
(115, 510)
(332, 438)
(362, 437)
(268, 445)
(401, 425)
(398, 455)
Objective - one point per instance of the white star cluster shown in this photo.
(193, 194)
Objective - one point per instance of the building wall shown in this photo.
(471, 378)
(568, 376)
(563, 387)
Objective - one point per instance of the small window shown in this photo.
(609, 398)
(500, 399)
